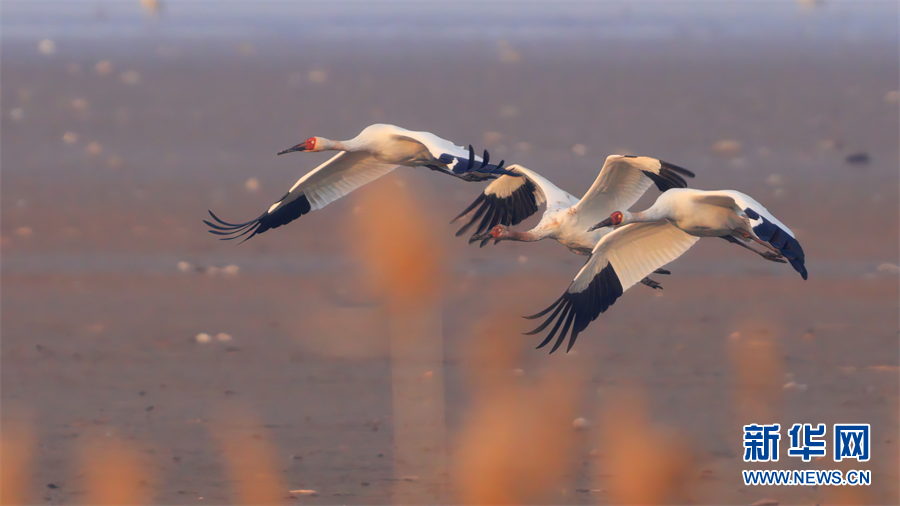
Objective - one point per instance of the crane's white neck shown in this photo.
(652, 214)
(323, 144)
(504, 233)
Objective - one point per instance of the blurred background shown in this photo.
(363, 354)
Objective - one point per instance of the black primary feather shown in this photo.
(281, 216)
(580, 308)
(495, 210)
(780, 239)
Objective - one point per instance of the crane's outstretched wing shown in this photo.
(764, 224)
(509, 200)
(619, 260)
(622, 181)
(343, 173)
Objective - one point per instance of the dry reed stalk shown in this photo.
(759, 373)
(112, 472)
(250, 457)
(403, 258)
(17, 444)
(517, 444)
(643, 464)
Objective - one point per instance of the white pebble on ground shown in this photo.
(130, 77)
(727, 147)
(793, 385)
(889, 268)
(580, 424)
(47, 46)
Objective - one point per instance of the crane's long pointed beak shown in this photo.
(298, 147)
(608, 222)
(479, 237)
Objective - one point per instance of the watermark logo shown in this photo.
(761, 442)
(811, 446)
(851, 441)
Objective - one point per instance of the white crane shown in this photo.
(647, 240)
(514, 197)
(377, 150)
(729, 214)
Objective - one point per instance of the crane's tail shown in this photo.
(781, 240)
(463, 165)
(792, 250)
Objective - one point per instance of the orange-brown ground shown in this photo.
(102, 376)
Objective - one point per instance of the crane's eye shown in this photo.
(311, 144)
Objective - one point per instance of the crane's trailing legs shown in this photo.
(768, 255)
(654, 284)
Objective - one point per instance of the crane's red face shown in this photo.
(309, 145)
(613, 221)
(499, 231)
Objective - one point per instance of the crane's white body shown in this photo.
(559, 221)
(723, 213)
(707, 213)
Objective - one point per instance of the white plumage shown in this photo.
(635, 251)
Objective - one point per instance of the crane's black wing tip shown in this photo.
(675, 168)
(666, 179)
(577, 309)
(281, 216)
(493, 210)
(233, 230)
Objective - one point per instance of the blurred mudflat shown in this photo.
(115, 145)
